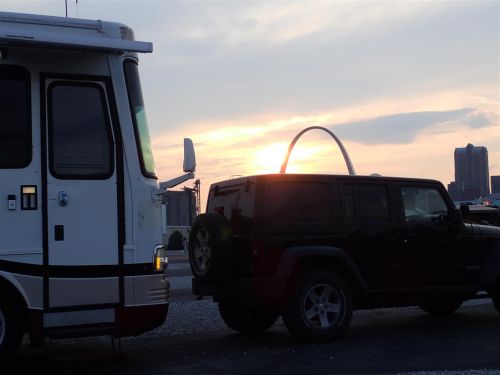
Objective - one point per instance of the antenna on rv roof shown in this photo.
(66, 7)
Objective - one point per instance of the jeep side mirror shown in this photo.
(464, 210)
(189, 156)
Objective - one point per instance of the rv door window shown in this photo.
(15, 117)
(136, 101)
(81, 145)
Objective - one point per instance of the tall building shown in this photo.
(471, 172)
(495, 184)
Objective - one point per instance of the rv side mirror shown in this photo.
(189, 156)
(464, 210)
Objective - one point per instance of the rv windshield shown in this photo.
(139, 118)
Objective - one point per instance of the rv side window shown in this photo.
(15, 117)
(81, 145)
(139, 118)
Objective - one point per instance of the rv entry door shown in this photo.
(81, 216)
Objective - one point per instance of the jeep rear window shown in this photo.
(305, 202)
(367, 202)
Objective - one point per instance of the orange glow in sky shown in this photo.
(268, 158)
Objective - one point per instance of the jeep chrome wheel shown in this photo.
(319, 308)
(322, 306)
(210, 247)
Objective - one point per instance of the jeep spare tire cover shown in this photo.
(210, 247)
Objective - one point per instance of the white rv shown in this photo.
(80, 222)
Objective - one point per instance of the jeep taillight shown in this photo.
(256, 247)
(219, 210)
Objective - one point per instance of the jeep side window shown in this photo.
(366, 202)
(423, 205)
(302, 202)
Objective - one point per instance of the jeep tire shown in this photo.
(210, 247)
(319, 307)
(246, 319)
(495, 296)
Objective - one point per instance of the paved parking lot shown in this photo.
(194, 340)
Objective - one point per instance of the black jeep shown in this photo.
(312, 248)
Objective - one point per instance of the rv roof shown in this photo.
(18, 29)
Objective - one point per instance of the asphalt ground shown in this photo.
(194, 340)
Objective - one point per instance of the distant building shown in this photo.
(471, 172)
(495, 184)
(180, 208)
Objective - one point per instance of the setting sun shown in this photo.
(268, 159)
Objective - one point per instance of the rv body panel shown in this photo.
(69, 33)
(29, 287)
(80, 220)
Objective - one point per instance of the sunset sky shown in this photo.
(400, 83)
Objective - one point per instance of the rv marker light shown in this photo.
(160, 260)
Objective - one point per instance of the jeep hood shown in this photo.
(484, 230)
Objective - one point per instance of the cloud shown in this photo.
(251, 147)
(400, 50)
(264, 22)
(478, 121)
(405, 127)
(408, 143)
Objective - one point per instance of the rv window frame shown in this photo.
(137, 134)
(13, 72)
(107, 119)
